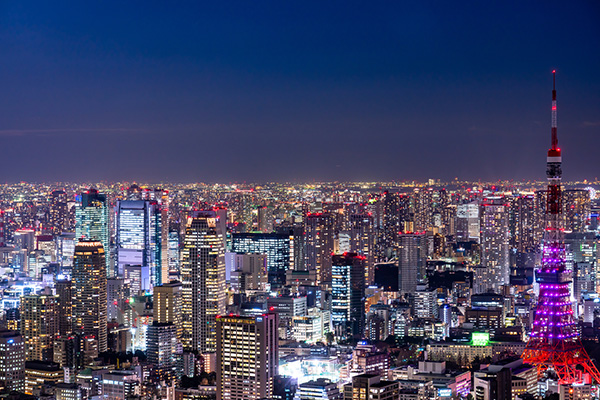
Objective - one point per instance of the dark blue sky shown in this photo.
(255, 91)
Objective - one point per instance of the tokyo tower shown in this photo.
(554, 343)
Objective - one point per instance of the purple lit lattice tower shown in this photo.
(554, 342)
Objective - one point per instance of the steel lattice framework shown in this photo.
(554, 343)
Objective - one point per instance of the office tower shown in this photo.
(247, 357)
(286, 308)
(39, 325)
(362, 242)
(40, 373)
(424, 303)
(117, 295)
(173, 246)
(139, 238)
(203, 282)
(296, 233)
(92, 218)
(554, 341)
(161, 343)
(47, 245)
(138, 278)
(412, 260)
(59, 212)
(168, 305)
(89, 291)
(318, 241)
(249, 272)
(65, 351)
(581, 253)
(371, 387)
(265, 219)
(348, 292)
(277, 246)
(467, 222)
(119, 385)
(64, 293)
(494, 243)
(65, 247)
(12, 362)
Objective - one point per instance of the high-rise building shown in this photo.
(161, 343)
(12, 362)
(348, 292)
(362, 242)
(412, 260)
(64, 292)
(59, 212)
(139, 239)
(577, 209)
(265, 219)
(279, 248)
(167, 305)
(391, 223)
(39, 325)
(495, 243)
(249, 272)
(203, 282)
(117, 294)
(247, 357)
(89, 291)
(319, 237)
(92, 218)
(467, 222)
(173, 246)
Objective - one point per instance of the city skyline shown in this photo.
(295, 93)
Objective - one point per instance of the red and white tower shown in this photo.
(554, 343)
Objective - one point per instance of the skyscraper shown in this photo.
(12, 362)
(203, 279)
(140, 237)
(319, 237)
(362, 242)
(412, 260)
(494, 243)
(348, 292)
(89, 291)
(64, 291)
(91, 218)
(39, 325)
(278, 247)
(247, 357)
(59, 212)
(167, 305)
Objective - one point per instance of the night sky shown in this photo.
(301, 91)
